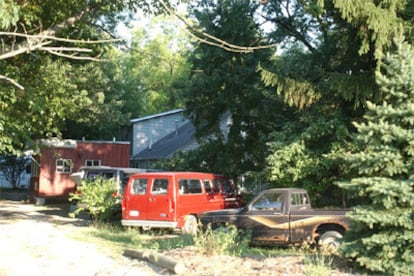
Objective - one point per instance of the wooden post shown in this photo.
(154, 257)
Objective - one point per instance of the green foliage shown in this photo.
(227, 83)
(382, 237)
(153, 73)
(318, 264)
(222, 240)
(61, 96)
(368, 17)
(9, 14)
(301, 155)
(97, 197)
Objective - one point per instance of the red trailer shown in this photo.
(57, 159)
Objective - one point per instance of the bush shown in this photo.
(222, 240)
(97, 197)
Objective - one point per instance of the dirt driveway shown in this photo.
(35, 240)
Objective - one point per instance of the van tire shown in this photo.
(190, 225)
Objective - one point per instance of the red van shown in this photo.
(174, 199)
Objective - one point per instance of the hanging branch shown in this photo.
(210, 39)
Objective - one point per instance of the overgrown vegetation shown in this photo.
(229, 242)
(98, 197)
(222, 240)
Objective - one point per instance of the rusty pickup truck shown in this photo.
(282, 216)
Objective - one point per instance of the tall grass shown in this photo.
(225, 241)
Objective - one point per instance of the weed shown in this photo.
(317, 262)
(222, 240)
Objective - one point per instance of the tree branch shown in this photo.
(210, 39)
(38, 42)
(12, 81)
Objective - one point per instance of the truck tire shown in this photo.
(190, 225)
(329, 240)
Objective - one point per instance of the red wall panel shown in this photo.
(52, 183)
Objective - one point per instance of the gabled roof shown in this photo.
(156, 115)
(171, 143)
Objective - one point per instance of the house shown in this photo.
(159, 136)
(57, 159)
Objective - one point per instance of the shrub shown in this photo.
(222, 240)
(97, 197)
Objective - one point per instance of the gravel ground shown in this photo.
(35, 240)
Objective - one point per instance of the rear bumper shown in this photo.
(148, 224)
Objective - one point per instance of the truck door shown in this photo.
(160, 201)
(268, 218)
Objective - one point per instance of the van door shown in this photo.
(135, 200)
(192, 199)
(160, 201)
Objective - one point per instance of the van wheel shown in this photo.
(330, 241)
(190, 225)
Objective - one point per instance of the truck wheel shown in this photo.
(190, 225)
(330, 240)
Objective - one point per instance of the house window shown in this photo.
(64, 165)
(90, 163)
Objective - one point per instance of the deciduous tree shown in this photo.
(45, 46)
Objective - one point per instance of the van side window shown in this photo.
(190, 186)
(139, 186)
(159, 186)
(207, 186)
(216, 186)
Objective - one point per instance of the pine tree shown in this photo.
(382, 236)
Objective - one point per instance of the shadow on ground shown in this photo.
(15, 206)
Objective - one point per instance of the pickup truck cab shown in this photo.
(174, 199)
(283, 216)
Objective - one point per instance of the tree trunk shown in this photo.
(154, 257)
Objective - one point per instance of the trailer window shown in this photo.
(90, 163)
(64, 165)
